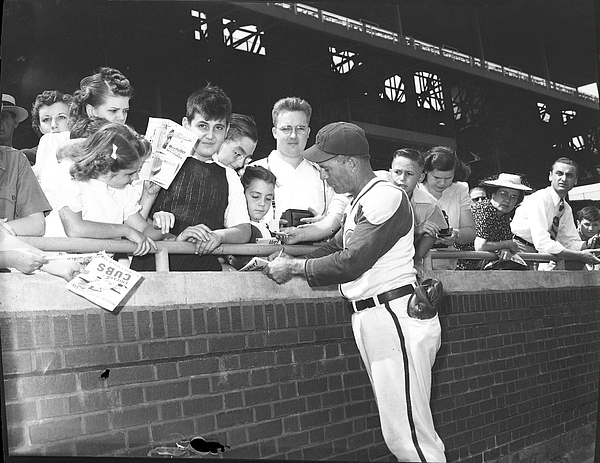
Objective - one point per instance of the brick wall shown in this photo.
(516, 377)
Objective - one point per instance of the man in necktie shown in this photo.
(544, 221)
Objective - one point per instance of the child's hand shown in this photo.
(144, 244)
(25, 260)
(203, 237)
(163, 221)
(151, 189)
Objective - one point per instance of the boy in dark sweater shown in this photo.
(206, 199)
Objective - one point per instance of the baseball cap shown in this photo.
(9, 104)
(338, 139)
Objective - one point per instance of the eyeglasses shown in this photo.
(479, 198)
(288, 129)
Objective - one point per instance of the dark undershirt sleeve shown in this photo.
(364, 247)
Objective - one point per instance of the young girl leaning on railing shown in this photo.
(99, 200)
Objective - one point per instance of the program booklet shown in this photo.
(105, 282)
(256, 263)
(172, 144)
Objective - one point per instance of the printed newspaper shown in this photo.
(105, 282)
(172, 144)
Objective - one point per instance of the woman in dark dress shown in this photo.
(492, 216)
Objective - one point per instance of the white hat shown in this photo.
(513, 181)
(9, 104)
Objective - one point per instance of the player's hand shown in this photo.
(279, 270)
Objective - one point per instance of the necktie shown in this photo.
(556, 219)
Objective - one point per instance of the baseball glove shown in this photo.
(426, 299)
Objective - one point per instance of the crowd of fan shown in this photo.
(82, 181)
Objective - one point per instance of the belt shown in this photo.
(523, 240)
(382, 298)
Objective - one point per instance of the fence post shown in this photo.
(161, 259)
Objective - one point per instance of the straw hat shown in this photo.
(513, 181)
(10, 105)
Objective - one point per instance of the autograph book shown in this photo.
(172, 144)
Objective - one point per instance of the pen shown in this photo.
(280, 252)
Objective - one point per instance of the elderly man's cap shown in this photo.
(338, 139)
(9, 104)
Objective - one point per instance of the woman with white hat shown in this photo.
(492, 216)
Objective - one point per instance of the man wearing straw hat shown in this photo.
(371, 258)
(12, 116)
(544, 220)
(23, 205)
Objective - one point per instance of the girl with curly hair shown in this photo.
(99, 201)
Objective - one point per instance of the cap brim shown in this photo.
(315, 154)
(21, 113)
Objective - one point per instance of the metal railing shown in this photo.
(88, 245)
(454, 55)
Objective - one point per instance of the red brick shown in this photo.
(77, 325)
(165, 431)
(16, 413)
(25, 339)
(95, 329)
(97, 356)
(139, 437)
(289, 407)
(16, 362)
(128, 330)
(265, 430)
(132, 396)
(282, 337)
(229, 381)
(226, 343)
(133, 416)
(172, 323)
(202, 405)
(167, 390)
(234, 418)
(55, 430)
(261, 395)
(89, 402)
(163, 349)
(185, 317)
(197, 345)
(43, 331)
(104, 444)
(111, 327)
(46, 385)
(158, 324)
(171, 410)
(95, 424)
(166, 371)
(144, 325)
(201, 366)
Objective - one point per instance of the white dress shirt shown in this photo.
(533, 219)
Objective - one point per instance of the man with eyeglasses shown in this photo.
(299, 185)
(544, 220)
